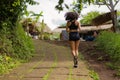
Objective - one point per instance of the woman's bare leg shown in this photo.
(72, 45)
(76, 47)
(76, 53)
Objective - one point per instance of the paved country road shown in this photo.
(51, 62)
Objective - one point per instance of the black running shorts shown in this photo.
(74, 36)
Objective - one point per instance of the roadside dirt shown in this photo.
(97, 60)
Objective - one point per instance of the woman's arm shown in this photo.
(79, 27)
(67, 27)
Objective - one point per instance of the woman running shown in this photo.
(73, 28)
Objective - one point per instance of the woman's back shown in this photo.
(73, 26)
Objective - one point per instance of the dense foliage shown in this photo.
(14, 44)
(7, 63)
(22, 44)
(11, 10)
(12, 35)
(109, 42)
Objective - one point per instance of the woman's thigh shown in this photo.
(72, 45)
(77, 44)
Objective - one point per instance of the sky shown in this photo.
(53, 18)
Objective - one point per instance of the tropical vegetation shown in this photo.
(109, 42)
(14, 44)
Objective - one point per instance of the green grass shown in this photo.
(47, 75)
(70, 73)
(7, 63)
(109, 42)
(94, 75)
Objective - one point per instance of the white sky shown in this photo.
(53, 18)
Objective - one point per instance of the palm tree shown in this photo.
(29, 20)
(37, 16)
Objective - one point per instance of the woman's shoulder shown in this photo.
(77, 22)
(68, 23)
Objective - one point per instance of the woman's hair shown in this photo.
(69, 16)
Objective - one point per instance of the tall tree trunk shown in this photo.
(114, 20)
(113, 15)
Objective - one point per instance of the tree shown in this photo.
(14, 41)
(111, 4)
(78, 5)
(30, 17)
(11, 11)
(37, 16)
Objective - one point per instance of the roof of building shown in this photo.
(102, 19)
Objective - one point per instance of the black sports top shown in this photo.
(73, 26)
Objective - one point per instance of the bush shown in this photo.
(15, 46)
(110, 43)
(5, 42)
(7, 63)
(13, 41)
(22, 44)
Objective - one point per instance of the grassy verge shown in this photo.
(15, 47)
(110, 43)
(7, 63)
(94, 75)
